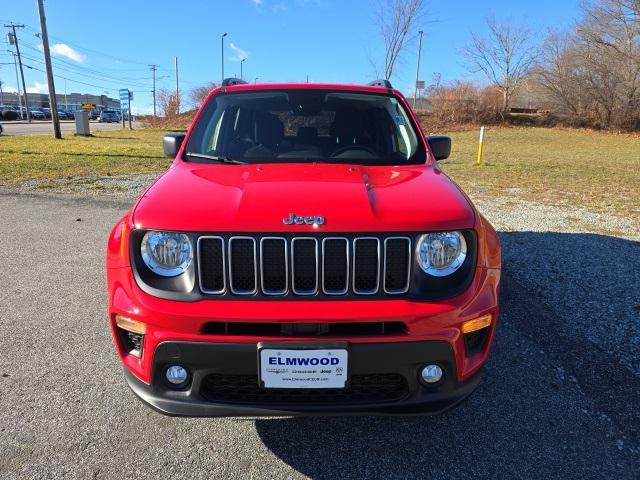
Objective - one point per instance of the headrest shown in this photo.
(347, 125)
(269, 130)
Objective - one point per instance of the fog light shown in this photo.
(431, 374)
(177, 375)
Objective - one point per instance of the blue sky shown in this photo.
(109, 43)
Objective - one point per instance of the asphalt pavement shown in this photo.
(41, 127)
(558, 400)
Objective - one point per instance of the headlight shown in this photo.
(441, 254)
(166, 253)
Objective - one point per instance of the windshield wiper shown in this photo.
(216, 158)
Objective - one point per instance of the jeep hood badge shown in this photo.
(294, 219)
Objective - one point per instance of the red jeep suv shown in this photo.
(304, 254)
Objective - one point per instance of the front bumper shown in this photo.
(207, 361)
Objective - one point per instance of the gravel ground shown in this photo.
(559, 401)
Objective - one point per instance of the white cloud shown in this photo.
(64, 50)
(38, 88)
(9, 89)
(240, 54)
(257, 2)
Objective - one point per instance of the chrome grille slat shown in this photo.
(216, 271)
(233, 289)
(267, 291)
(358, 274)
(405, 288)
(303, 291)
(329, 291)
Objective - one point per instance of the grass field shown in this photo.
(596, 170)
(113, 152)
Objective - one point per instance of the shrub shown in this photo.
(463, 103)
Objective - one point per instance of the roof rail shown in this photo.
(227, 82)
(381, 83)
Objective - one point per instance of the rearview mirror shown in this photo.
(440, 146)
(171, 143)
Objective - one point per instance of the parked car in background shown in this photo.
(37, 114)
(46, 112)
(108, 116)
(94, 114)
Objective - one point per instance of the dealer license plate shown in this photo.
(303, 368)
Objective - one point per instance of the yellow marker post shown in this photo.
(479, 160)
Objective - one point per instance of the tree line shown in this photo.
(588, 75)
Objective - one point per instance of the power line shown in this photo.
(94, 77)
(87, 69)
(82, 48)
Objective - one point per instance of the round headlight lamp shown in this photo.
(166, 253)
(441, 254)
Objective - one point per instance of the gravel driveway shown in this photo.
(560, 398)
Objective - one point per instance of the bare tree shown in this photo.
(505, 57)
(396, 20)
(559, 73)
(199, 94)
(168, 103)
(594, 72)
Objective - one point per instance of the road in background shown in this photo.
(554, 404)
(43, 128)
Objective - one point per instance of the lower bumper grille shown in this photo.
(244, 389)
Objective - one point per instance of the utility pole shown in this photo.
(222, 56)
(13, 37)
(15, 65)
(1, 95)
(53, 103)
(415, 92)
(177, 89)
(153, 69)
(241, 62)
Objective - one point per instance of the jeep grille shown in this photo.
(304, 266)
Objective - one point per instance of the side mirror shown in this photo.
(440, 146)
(171, 143)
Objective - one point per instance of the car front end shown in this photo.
(282, 287)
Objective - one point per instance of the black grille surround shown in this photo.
(304, 266)
(266, 268)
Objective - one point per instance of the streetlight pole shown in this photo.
(255, 80)
(222, 55)
(415, 92)
(241, 62)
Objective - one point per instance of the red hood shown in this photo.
(255, 198)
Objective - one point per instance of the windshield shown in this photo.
(306, 126)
